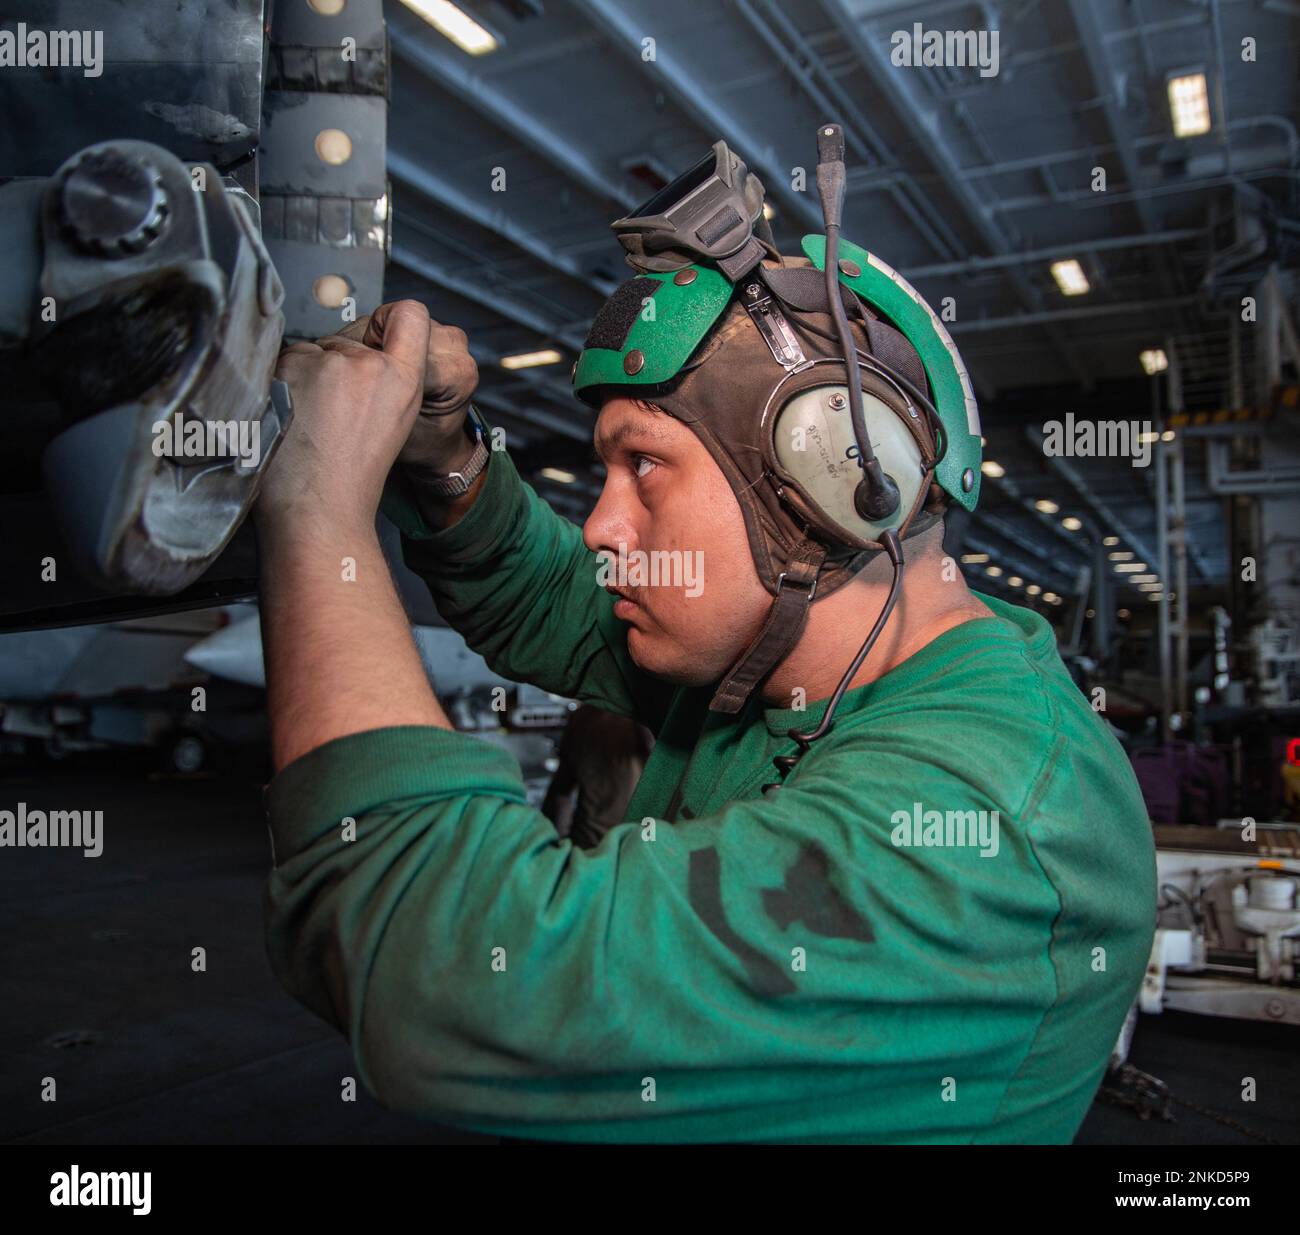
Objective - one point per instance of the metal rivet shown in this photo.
(849, 269)
(634, 361)
(967, 480)
(837, 402)
(683, 277)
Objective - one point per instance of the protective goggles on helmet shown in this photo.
(711, 212)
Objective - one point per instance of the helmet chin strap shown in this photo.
(795, 589)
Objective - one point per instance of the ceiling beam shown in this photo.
(412, 44)
(973, 265)
(880, 169)
(1093, 43)
(1017, 321)
(625, 32)
(919, 115)
(413, 175)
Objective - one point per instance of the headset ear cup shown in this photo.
(814, 455)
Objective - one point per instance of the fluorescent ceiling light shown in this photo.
(559, 475)
(1071, 524)
(990, 467)
(1069, 277)
(1033, 589)
(1110, 540)
(1189, 105)
(974, 558)
(1148, 437)
(527, 360)
(1046, 505)
(456, 25)
(1016, 581)
(1144, 578)
(1167, 435)
(1120, 555)
(1153, 361)
(1052, 598)
(995, 571)
(1130, 568)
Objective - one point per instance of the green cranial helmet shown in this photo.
(650, 328)
(834, 402)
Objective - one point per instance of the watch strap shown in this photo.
(454, 484)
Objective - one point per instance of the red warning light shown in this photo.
(1293, 751)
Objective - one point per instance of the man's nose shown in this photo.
(609, 525)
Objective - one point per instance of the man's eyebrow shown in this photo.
(606, 443)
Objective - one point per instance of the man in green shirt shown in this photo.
(924, 922)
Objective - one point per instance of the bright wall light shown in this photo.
(995, 571)
(972, 559)
(528, 360)
(991, 467)
(1016, 581)
(1069, 277)
(1153, 361)
(1131, 568)
(769, 211)
(1046, 505)
(1071, 524)
(1144, 579)
(456, 25)
(1110, 540)
(1034, 590)
(1121, 555)
(559, 475)
(1189, 105)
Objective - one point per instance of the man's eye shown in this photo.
(637, 465)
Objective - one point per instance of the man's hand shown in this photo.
(354, 409)
(437, 441)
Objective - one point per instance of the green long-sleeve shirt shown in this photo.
(727, 965)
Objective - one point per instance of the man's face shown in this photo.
(679, 556)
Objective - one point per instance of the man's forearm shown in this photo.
(339, 654)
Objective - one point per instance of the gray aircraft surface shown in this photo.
(159, 166)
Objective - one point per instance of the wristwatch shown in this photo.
(454, 484)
